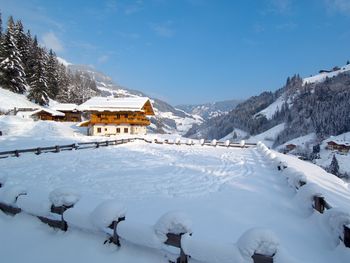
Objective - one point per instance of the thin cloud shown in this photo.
(340, 6)
(278, 7)
(164, 29)
(102, 59)
(51, 41)
(134, 8)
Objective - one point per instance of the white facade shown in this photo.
(112, 129)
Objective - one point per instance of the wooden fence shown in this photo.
(97, 144)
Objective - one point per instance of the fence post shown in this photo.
(319, 203)
(115, 238)
(259, 258)
(38, 151)
(16, 153)
(347, 236)
(57, 149)
(175, 241)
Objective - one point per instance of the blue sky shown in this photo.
(193, 51)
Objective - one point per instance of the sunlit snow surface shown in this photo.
(224, 191)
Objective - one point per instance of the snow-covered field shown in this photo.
(224, 191)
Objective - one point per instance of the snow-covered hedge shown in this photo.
(64, 196)
(334, 220)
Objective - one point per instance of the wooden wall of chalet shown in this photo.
(47, 117)
(132, 118)
(72, 116)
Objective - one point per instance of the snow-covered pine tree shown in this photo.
(63, 84)
(0, 25)
(52, 74)
(11, 66)
(38, 92)
(23, 45)
(333, 168)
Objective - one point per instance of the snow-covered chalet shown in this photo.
(117, 116)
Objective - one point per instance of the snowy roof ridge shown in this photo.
(114, 104)
(50, 111)
(64, 107)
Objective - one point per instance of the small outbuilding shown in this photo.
(47, 114)
(70, 110)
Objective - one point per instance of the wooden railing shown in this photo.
(97, 144)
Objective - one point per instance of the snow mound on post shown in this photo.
(64, 196)
(107, 212)
(258, 240)
(9, 194)
(335, 219)
(305, 195)
(242, 143)
(214, 142)
(174, 222)
(206, 251)
(294, 177)
(35, 202)
(201, 142)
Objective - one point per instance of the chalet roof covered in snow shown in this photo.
(118, 104)
(65, 107)
(49, 111)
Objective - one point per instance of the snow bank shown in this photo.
(334, 219)
(35, 202)
(9, 194)
(64, 196)
(211, 252)
(107, 212)
(139, 234)
(258, 240)
(174, 222)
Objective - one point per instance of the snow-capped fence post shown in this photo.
(97, 144)
(201, 142)
(281, 166)
(178, 141)
(346, 238)
(227, 143)
(170, 228)
(38, 151)
(319, 203)
(115, 237)
(57, 149)
(214, 142)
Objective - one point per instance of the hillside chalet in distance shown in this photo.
(116, 116)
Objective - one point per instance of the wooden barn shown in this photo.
(46, 114)
(117, 116)
(70, 110)
(342, 147)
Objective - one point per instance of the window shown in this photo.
(126, 116)
(126, 130)
(117, 116)
(106, 129)
(118, 130)
(99, 130)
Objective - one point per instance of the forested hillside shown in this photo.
(30, 69)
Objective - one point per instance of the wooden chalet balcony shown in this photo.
(113, 119)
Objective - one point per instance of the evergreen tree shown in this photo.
(11, 66)
(23, 44)
(38, 92)
(0, 25)
(333, 168)
(52, 75)
(63, 84)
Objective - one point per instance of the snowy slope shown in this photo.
(10, 100)
(268, 137)
(273, 108)
(322, 76)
